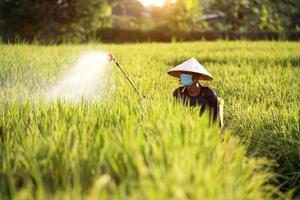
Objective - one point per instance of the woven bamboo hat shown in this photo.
(193, 67)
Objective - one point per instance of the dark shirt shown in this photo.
(206, 99)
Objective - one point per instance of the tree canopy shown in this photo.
(80, 20)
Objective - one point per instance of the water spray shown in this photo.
(82, 81)
(112, 58)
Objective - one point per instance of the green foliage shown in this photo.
(245, 15)
(233, 13)
(192, 14)
(127, 8)
(264, 18)
(287, 12)
(180, 17)
(91, 15)
(122, 147)
(78, 21)
(62, 20)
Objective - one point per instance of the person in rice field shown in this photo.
(192, 93)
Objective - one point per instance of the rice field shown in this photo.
(117, 146)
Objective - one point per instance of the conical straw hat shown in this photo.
(193, 67)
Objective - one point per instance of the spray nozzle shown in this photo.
(110, 57)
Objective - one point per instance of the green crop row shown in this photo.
(119, 146)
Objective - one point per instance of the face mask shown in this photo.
(186, 79)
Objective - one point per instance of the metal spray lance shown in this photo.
(112, 58)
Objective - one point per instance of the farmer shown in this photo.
(192, 93)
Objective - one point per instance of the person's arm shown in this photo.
(177, 92)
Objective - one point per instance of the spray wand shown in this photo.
(112, 58)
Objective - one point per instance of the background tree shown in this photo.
(53, 19)
(183, 16)
(234, 14)
(256, 15)
(128, 14)
(82, 20)
(287, 12)
(127, 8)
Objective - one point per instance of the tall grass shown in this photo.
(122, 147)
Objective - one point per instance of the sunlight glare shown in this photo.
(159, 3)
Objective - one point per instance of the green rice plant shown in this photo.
(121, 147)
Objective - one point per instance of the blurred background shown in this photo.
(119, 21)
